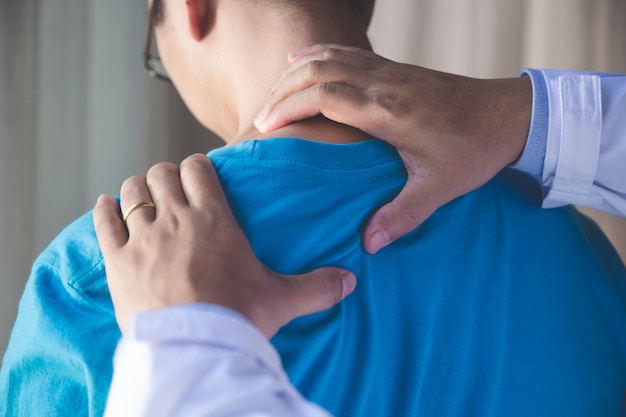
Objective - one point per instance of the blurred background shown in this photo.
(79, 114)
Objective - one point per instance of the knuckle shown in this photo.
(325, 91)
(195, 158)
(131, 181)
(334, 292)
(342, 52)
(314, 70)
(194, 162)
(162, 169)
(330, 291)
(411, 219)
(332, 53)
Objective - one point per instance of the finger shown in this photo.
(402, 215)
(345, 65)
(163, 180)
(203, 187)
(338, 52)
(341, 103)
(317, 291)
(200, 182)
(315, 72)
(307, 50)
(110, 229)
(135, 190)
(352, 56)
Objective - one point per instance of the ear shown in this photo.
(199, 14)
(368, 11)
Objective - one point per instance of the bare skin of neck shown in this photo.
(258, 41)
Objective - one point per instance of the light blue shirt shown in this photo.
(577, 143)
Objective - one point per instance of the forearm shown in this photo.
(200, 360)
(577, 143)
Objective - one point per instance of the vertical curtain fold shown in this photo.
(18, 31)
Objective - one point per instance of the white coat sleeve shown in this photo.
(200, 360)
(576, 148)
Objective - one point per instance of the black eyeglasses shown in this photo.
(153, 63)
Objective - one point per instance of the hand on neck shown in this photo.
(317, 129)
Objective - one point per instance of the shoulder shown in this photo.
(73, 261)
(66, 304)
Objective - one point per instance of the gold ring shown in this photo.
(134, 207)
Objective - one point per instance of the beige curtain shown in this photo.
(78, 114)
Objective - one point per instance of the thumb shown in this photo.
(317, 291)
(415, 203)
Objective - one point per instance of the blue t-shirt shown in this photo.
(492, 307)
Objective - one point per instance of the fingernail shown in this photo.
(259, 119)
(260, 126)
(348, 281)
(379, 239)
(296, 53)
(102, 198)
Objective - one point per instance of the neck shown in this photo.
(259, 39)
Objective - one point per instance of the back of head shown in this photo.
(224, 56)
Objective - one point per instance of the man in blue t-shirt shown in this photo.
(491, 307)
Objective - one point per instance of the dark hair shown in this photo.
(157, 9)
(357, 5)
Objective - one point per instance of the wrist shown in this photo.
(520, 115)
(505, 116)
(532, 159)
